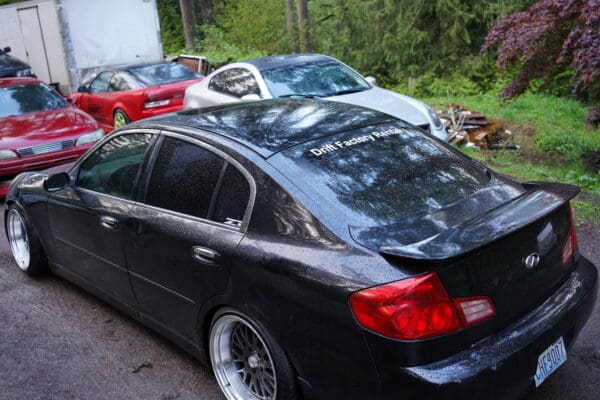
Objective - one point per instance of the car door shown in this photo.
(87, 217)
(180, 239)
(98, 97)
(231, 85)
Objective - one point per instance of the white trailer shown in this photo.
(66, 40)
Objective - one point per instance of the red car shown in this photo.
(39, 129)
(130, 93)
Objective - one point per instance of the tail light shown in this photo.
(570, 245)
(158, 103)
(157, 100)
(417, 308)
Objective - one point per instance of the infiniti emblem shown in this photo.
(532, 261)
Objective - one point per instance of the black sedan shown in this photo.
(316, 250)
(13, 67)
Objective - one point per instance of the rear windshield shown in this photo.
(379, 175)
(159, 74)
(26, 98)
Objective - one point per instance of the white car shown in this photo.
(307, 75)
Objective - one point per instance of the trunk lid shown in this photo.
(479, 245)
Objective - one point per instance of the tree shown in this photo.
(305, 43)
(189, 23)
(290, 21)
(547, 39)
(205, 7)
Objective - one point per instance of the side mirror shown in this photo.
(57, 182)
(6, 50)
(251, 97)
(371, 80)
(83, 89)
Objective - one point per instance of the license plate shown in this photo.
(552, 358)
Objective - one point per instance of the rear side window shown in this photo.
(184, 178)
(121, 81)
(232, 199)
(237, 82)
(113, 168)
(101, 83)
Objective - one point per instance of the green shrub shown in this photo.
(220, 52)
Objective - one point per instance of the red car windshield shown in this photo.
(26, 98)
(160, 74)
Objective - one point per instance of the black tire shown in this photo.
(22, 238)
(286, 387)
(120, 118)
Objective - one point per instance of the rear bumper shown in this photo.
(502, 366)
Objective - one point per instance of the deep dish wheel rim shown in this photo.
(120, 119)
(241, 360)
(17, 239)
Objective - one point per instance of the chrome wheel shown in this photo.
(120, 119)
(241, 360)
(17, 239)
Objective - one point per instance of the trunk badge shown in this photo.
(531, 261)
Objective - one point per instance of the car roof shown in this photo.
(129, 67)
(265, 63)
(270, 126)
(18, 81)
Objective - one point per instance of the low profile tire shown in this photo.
(247, 362)
(120, 118)
(24, 243)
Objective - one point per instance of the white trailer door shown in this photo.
(34, 42)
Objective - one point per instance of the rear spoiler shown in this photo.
(539, 201)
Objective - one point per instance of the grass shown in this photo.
(585, 211)
(553, 140)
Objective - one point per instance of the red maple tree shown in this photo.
(546, 38)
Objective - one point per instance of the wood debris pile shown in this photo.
(471, 128)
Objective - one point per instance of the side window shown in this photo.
(236, 82)
(184, 178)
(113, 168)
(119, 82)
(232, 199)
(100, 84)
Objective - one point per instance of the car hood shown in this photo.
(395, 104)
(43, 126)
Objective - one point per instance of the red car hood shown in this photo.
(40, 127)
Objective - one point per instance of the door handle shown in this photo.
(204, 255)
(109, 222)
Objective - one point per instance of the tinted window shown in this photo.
(236, 82)
(158, 74)
(21, 99)
(100, 84)
(381, 174)
(184, 178)
(323, 79)
(113, 168)
(232, 199)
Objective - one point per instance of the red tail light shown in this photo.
(570, 246)
(417, 308)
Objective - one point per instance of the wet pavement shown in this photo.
(59, 342)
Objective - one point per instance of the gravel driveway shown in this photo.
(58, 342)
